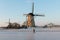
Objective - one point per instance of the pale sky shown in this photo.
(14, 9)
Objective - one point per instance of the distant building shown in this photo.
(51, 25)
(13, 25)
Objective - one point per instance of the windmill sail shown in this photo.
(33, 7)
(32, 20)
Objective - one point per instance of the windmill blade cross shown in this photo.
(39, 15)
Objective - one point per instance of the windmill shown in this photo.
(9, 23)
(30, 17)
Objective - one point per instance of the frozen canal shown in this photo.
(27, 34)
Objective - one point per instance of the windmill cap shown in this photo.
(31, 14)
